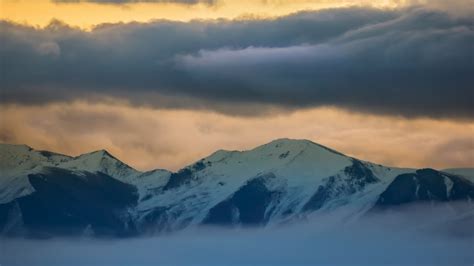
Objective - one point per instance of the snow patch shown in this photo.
(449, 186)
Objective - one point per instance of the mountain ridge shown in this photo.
(465, 170)
(281, 181)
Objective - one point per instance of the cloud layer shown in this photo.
(188, 2)
(411, 62)
(148, 138)
(414, 236)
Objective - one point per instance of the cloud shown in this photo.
(49, 48)
(457, 149)
(149, 138)
(416, 236)
(409, 62)
(187, 2)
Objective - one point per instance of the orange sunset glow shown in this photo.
(153, 127)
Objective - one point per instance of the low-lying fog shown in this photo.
(325, 240)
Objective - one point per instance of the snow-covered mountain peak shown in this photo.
(291, 167)
(16, 162)
(281, 181)
(296, 145)
(287, 142)
(282, 148)
(102, 161)
(288, 157)
(11, 155)
(17, 158)
(220, 155)
(17, 147)
(281, 145)
(97, 154)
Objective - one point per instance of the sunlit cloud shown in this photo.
(149, 138)
(121, 2)
(164, 83)
(87, 13)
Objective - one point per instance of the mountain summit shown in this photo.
(46, 194)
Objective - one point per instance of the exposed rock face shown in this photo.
(353, 179)
(66, 203)
(247, 206)
(426, 185)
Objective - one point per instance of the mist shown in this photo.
(419, 235)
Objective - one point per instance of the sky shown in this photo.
(163, 83)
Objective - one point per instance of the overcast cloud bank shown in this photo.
(410, 62)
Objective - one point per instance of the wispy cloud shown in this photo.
(326, 240)
(187, 2)
(149, 138)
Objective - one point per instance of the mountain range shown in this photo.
(45, 194)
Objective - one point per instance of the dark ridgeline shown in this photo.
(68, 203)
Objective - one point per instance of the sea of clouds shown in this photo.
(424, 238)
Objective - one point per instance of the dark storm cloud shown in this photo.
(190, 2)
(412, 62)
